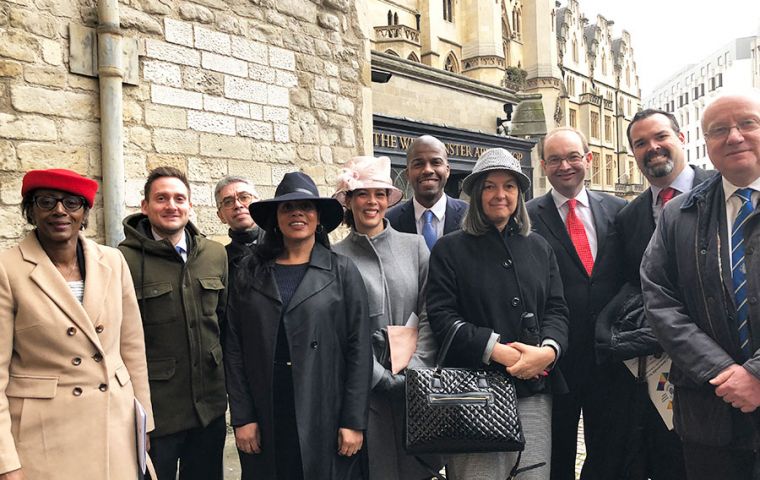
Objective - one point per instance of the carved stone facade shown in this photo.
(585, 77)
(255, 88)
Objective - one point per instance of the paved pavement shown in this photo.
(232, 464)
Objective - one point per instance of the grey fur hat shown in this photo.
(496, 159)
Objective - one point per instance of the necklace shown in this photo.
(68, 272)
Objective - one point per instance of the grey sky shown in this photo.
(669, 34)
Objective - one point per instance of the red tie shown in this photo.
(578, 237)
(667, 194)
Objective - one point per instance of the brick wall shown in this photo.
(249, 87)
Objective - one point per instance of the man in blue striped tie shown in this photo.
(701, 282)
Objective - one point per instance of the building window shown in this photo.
(697, 153)
(719, 80)
(413, 57)
(607, 128)
(604, 63)
(608, 164)
(594, 124)
(570, 85)
(698, 135)
(448, 13)
(688, 155)
(573, 118)
(596, 170)
(575, 50)
(390, 17)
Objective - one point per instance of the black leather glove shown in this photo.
(390, 383)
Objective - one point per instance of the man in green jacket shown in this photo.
(180, 279)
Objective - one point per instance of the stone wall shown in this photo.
(249, 87)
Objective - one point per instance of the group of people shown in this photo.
(289, 330)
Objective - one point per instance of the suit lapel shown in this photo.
(98, 280)
(549, 215)
(451, 218)
(601, 220)
(52, 284)
(406, 218)
(317, 277)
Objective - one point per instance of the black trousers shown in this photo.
(590, 397)
(707, 463)
(199, 452)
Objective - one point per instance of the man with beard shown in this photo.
(430, 213)
(700, 281)
(640, 444)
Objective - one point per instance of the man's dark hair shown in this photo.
(646, 113)
(160, 172)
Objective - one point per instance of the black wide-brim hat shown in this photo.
(297, 186)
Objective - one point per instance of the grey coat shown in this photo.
(394, 268)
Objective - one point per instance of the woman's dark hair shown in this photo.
(348, 215)
(273, 245)
(475, 221)
(27, 206)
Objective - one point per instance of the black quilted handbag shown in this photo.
(460, 410)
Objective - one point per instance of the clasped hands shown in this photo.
(523, 361)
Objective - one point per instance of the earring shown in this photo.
(320, 228)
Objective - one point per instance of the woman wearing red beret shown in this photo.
(72, 353)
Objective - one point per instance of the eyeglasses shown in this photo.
(244, 198)
(721, 132)
(572, 159)
(71, 203)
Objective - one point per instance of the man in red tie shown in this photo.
(579, 225)
(650, 449)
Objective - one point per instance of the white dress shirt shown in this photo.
(181, 245)
(734, 203)
(439, 215)
(582, 210)
(681, 184)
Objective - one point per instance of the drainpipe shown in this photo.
(111, 75)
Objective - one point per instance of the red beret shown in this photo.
(60, 179)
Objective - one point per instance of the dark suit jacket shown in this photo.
(585, 295)
(635, 225)
(401, 216)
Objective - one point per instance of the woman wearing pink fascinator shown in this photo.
(394, 268)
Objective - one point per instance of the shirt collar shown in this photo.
(682, 183)
(560, 199)
(182, 244)
(729, 188)
(438, 208)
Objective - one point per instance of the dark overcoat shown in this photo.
(489, 281)
(327, 327)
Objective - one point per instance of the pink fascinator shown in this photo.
(367, 172)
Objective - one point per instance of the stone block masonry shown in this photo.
(225, 87)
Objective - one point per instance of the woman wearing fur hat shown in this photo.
(297, 348)
(394, 268)
(504, 283)
(72, 359)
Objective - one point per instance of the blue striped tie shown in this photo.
(738, 269)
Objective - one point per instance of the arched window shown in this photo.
(575, 50)
(391, 52)
(395, 18)
(604, 63)
(413, 57)
(390, 18)
(451, 64)
(628, 75)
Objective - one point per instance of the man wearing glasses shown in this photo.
(233, 196)
(701, 282)
(578, 224)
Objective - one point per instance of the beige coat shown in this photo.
(69, 372)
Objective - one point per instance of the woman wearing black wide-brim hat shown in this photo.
(297, 346)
